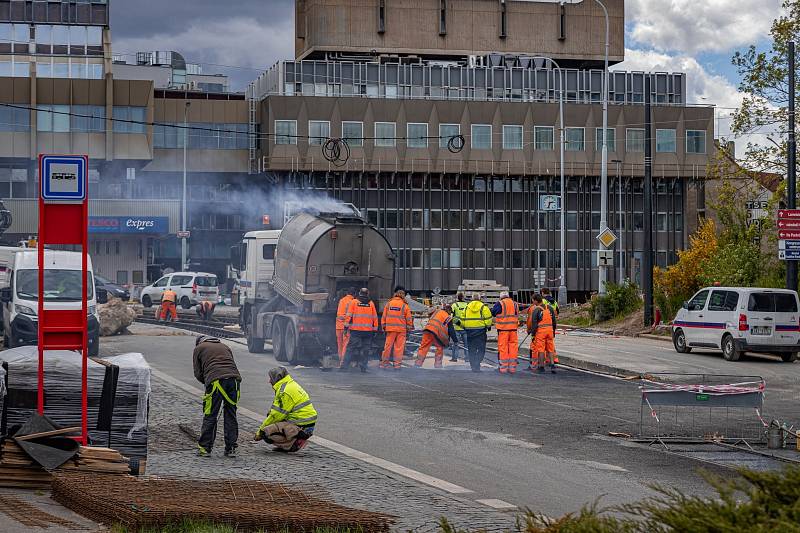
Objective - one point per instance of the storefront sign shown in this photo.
(134, 224)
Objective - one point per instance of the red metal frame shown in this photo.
(64, 223)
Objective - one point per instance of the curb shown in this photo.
(597, 368)
(654, 337)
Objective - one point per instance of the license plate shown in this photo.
(761, 330)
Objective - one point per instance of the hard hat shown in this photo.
(505, 294)
(364, 292)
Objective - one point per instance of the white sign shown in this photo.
(605, 257)
(550, 202)
(130, 174)
(64, 177)
(184, 234)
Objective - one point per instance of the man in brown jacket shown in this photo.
(215, 368)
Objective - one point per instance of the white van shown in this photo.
(191, 287)
(62, 280)
(738, 320)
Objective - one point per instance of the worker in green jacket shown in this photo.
(292, 417)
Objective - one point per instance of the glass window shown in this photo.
(435, 258)
(512, 137)
(95, 36)
(44, 69)
(665, 141)
(22, 33)
(417, 135)
(78, 69)
(353, 133)
(416, 219)
(695, 141)
(785, 302)
(572, 220)
(576, 139)
(698, 303)
(5, 69)
(455, 259)
(96, 72)
(498, 220)
(543, 137)
(60, 34)
(59, 285)
(121, 114)
(44, 36)
(572, 259)
(139, 117)
(481, 136)
(385, 134)
(44, 118)
(612, 139)
(447, 132)
(634, 140)
(22, 69)
(285, 132)
(77, 39)
(319, 131)
(6, 33)
(723, 301)
(771, 302)
(60, 70)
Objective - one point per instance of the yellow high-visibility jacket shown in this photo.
(477, 316)
(292, 404)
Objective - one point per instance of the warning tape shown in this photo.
(748, 387)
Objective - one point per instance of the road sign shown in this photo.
(788, 234)
(788, 245)
(64, 177)
(605, 257)
(130, 174)
(550, 202)
(792, 214)
(607, 238)
(789, 255)
(184, 234)
(789, 224)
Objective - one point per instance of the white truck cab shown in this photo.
(255, 265)
(62, 280)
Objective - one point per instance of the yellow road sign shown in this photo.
(607, 238)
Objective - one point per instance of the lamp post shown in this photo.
(183, 197)
(562, 286)
(602, 270)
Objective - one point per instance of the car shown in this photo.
(191, 287)
(117, 291)
(738, 320)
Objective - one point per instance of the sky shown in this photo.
(241, 38)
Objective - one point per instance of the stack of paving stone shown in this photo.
(489, 289)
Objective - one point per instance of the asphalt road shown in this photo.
(534, 441)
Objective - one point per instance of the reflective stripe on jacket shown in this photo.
(438, 324)
(397, 316)
(553, 305)
(508, 319)
(459, 309)
(292, 404)
(169, 296)
(540, 317)
(361, 316)
(341, 311)
(477, 316)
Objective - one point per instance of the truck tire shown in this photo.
(790, 357)
(729, 351)
(254, 344)
(292, 344)
(278, 344)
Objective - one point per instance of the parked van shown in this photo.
(738, 320)
(191, 287)
(62, 290)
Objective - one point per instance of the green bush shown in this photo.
(620, 300)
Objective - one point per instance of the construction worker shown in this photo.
(292, 417)
(396, 322)
(215, 368)
(437, 333)
(542, 327)
(506, 320)
(347, 296)
(459, 308)
(205, 310)
(361, 323)
(477, 322)
(547, 299)
(168, 300)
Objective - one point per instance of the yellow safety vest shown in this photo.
(292, 404)
(477, 316)
(459, 313)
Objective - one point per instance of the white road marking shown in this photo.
(345, 450)
(497, 504)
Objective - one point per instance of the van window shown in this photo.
(723, 301)
(770, 302)
(698, 303)
(162, 282)
(59, 285)
(206, 281)
(268, 252)
(179, 281)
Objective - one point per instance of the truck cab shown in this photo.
(253, 261)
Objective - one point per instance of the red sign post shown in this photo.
(64, 219)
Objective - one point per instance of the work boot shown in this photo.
(553, 369)
(233, 452)
(454, 360)
(202, 452)
(364, 370)
(541, 370)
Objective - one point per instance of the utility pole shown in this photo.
(183, 196)
(791, 188)
(602, 269)
(647, 254)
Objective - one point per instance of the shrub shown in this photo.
(619, 300)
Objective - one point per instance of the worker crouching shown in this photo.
(396, 322)
(506, 320)
(542, 327)
(437, 333)
(292, 417)
(205, 310)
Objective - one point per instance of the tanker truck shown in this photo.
(290, 280)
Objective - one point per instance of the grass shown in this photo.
(194, 526)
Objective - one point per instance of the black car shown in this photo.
(113, 289)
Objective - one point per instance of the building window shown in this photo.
(447, 132)
(442, 17)
(512, 137)
(576, 139)
(612, 139)
(319, 131)
(695, 141)
(634, 140)
(385, 134)
(353, 133)
(417, 135)
(543, 137)
(381, 16)
(14, 119)
(53, 118)
(129, 119)
(88, 119)
(285, 132)
(666, 141)
(481, 136)
(503, 20)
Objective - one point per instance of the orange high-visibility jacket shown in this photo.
(397, 316)
(361, 317)
(539, 316)
(508, 319)
(341, 311)
(438, 325)
(169, 296)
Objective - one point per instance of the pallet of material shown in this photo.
(489, 289)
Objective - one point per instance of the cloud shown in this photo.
(692, 26)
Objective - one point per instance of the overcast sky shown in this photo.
(243, 37)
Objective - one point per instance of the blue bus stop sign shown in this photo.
(63, 177)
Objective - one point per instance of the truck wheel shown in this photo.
(94, 347)
(679, 341)
(254, 344)
(146, 301)
(729, 351)
(789, 357)
(278, 345)
(186, 303)
(292, 345)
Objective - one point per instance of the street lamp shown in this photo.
(183, 197)
(602, 270)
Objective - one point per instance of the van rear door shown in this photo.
(772, 318)
(786, 318)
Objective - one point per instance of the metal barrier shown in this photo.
(701, 408)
